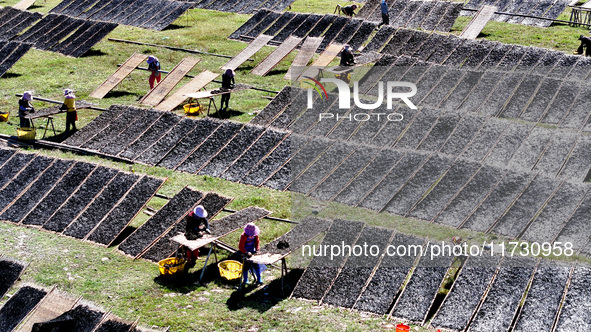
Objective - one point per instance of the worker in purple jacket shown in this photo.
(385, 15)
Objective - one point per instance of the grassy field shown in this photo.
(131, 288)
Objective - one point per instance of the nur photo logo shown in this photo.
(392, 92)
(317, 86)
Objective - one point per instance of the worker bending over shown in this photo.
(197, 226)
(347, 58)
(24, 107)
(154, 67)
(69, 106)
(347, 10)
(586, 44)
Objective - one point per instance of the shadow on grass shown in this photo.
(58, 138)
(180, 283)
(281, 72)
(246, 67)
(260, 298)
(173, 27)
(93, 52)
(11, 75)
(264, 297)
(224, 114)
(189, 281)
(118, 93)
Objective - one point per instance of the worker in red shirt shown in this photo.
(249, 245)
(154, 67)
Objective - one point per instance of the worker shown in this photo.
(24, 107)
(347, 58)
(460, 255)
(197, 226)
(385, 15)
(585, 43)
(154, 67)
(347, 10)
(69, 106)
(228, 83)
(249, 245)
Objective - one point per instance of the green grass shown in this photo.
(129, 287)
(558, 36)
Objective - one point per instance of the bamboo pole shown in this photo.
(172, 48)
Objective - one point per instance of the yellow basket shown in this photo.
(192, 109)
(171, 266)
(230, 269)
(4, 117)
(25, 133)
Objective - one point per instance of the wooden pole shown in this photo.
(530, 16)
(172, 48)
(53, 145)
(59, 102)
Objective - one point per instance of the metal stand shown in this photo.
(211, 249)
(284, 271)
(49, 120)
(211, 101)
(32, 123)
(242, 275)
